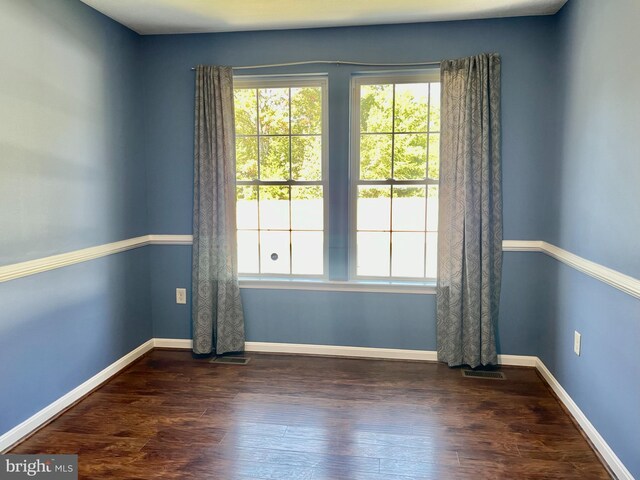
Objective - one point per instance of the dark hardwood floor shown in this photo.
(291, 417)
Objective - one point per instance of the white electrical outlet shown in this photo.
(576, 342)
(181, 296)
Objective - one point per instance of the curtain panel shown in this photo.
(217, 316)
(470, 212)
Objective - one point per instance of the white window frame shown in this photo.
(369, 78)
(294, 81)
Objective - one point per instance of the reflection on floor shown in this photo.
(296, 417)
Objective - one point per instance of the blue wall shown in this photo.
(604, 380)
(528, 49)
(71, 170)
(341, 318)
(70, 177)
(597, 216)
(527, 45)
(598, 207)
(59, 328)
(97, 146)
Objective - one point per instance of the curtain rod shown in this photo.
(335, 62)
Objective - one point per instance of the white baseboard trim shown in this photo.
(517, 360)
(185, 343)
(612, 460)
(38, 419)
(340, 351)
(344, 351)
(369, 352)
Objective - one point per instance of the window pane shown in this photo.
(434, 110)
(247, 207)
(407, 254)
(376, 108)
(246, 111)
(399, 139)
(373, 254)
(306, 208)
(246, 158)
(432, 209)
(410, 157)
(306, 252)
(432, 255)
(412, 107)
(274, 252)
(274, 158)
(374, 208)
(306, 158)
(278, 139)
(274, 111)
(408, 208)
(434, 156)
(247, 251)
(375, 157)
(306, 110)
(274, 207)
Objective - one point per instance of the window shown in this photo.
(281, 175)
(395, 164)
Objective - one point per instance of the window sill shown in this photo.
(419, 288)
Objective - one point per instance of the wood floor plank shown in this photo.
(310, 418)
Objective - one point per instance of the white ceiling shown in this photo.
(196, 16)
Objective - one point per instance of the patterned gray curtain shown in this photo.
(470, 212)
(218, 321)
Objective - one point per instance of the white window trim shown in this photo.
(368, 78)
(418, 288)
(293, 81)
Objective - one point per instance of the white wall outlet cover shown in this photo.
(181, 296)
(576, 342)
